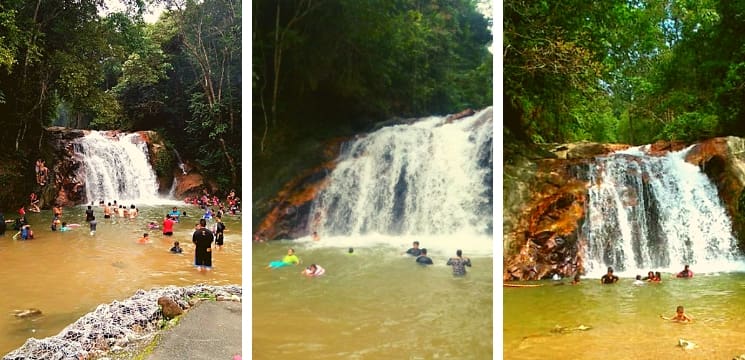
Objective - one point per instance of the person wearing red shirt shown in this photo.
(168, 226)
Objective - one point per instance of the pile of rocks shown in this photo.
(115, 326)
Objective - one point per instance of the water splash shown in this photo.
(116, 168)
(655, 213)
(429, 179)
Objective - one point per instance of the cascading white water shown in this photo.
(430, 181)
(116, 168)
(655, 213)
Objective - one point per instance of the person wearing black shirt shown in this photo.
(203, 238)
(89, 214)
(609, 278)
(415, 250)
(219, 232)
(423, 258)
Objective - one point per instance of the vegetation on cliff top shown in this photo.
(624, 71)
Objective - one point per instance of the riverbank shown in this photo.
(132, 327)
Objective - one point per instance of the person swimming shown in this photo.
(313, 271)
(144, 239)
(680, 315)
(176, 249)
(289, 259)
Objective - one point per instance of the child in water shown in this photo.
(176, 249)
(152, 225)
(680, 316)
(144, 239)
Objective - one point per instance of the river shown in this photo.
(376, 304)
(67, 274)
(625, 319)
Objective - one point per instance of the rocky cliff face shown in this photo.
(544, 206)
(545, 198)
(289, 212)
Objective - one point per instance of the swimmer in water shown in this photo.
(680, 316)
(289, 259)
(313, 271)
(144, 239)
(176, 249)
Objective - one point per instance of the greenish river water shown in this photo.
(376, 304)
(625, 319)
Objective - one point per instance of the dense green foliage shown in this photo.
(325, 68)
(629, 71)
(64, 63)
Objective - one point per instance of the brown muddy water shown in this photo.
(68, 274)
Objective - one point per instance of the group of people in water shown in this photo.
(202, 237)
(652, 277)
(231, 205)
(458, 262)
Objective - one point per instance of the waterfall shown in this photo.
(429, 179)
(116, 168)
(655, 213)
(181, 164)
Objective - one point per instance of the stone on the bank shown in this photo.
(169, 307)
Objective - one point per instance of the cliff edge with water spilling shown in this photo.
(548, 194)
(67, 182)
(429, 176)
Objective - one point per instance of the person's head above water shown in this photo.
(351, 250)
(290, 251)
(610, 270)
(415, 244)
(459, 253)
(424, 251)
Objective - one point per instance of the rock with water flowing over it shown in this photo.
(723, 161)
(541, 229)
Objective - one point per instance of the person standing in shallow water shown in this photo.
(203, 238)
(219, 232)
(459, 263)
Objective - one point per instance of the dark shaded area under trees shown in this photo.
(61, 63)
(324, 69)
(624, 71)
